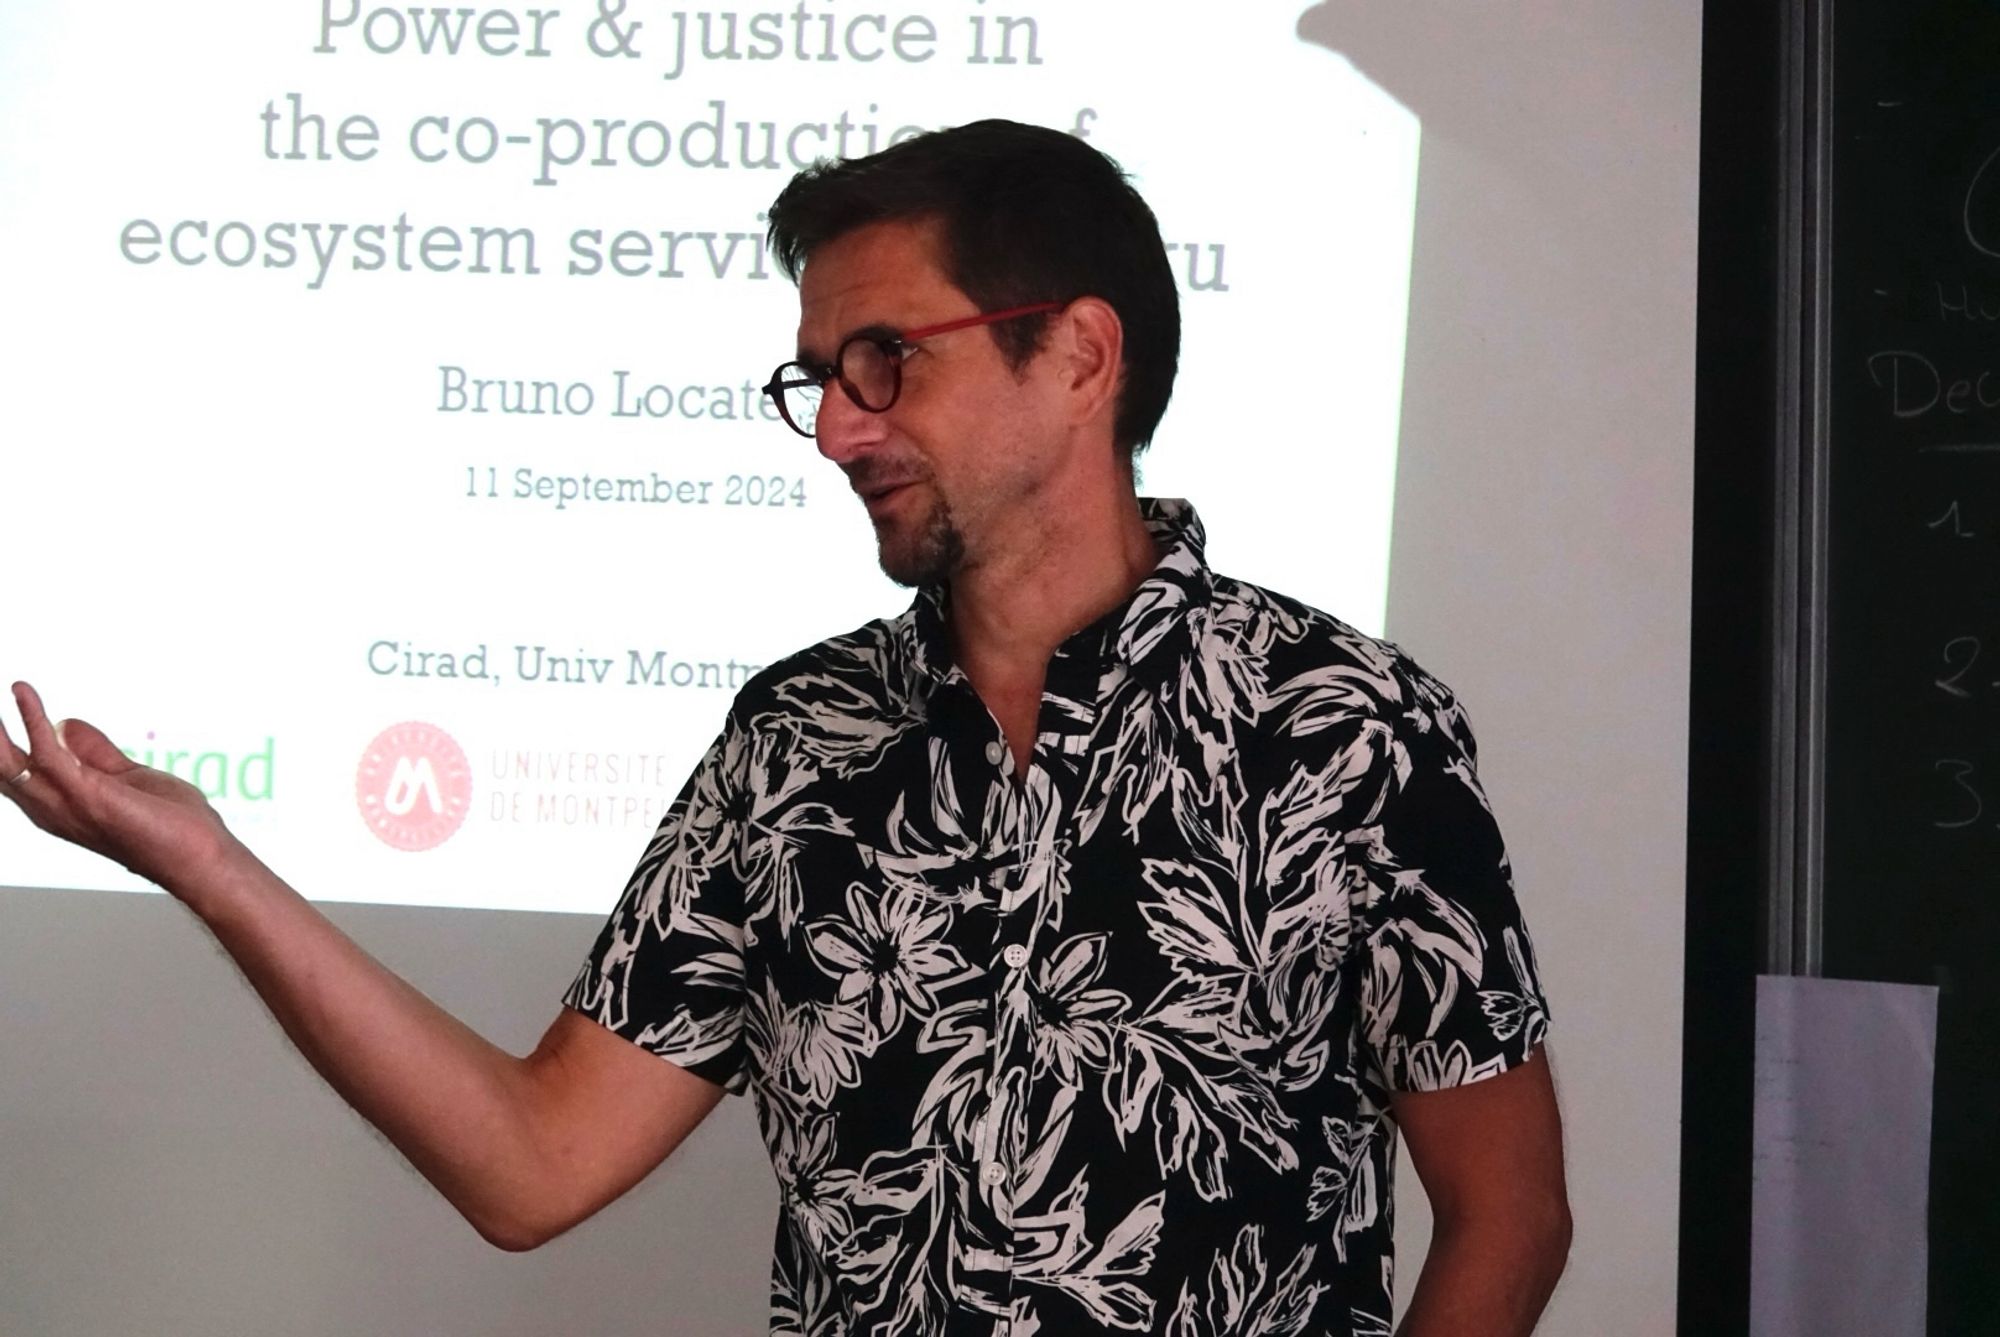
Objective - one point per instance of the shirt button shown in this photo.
(994, 752)
(994, 1172)
(1016, 955)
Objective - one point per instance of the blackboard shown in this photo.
(1911, 397)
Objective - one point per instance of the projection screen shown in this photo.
(405, 362)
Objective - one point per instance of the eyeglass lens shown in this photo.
(798, 396)
(868, 375)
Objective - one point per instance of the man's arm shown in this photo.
(1490, 1157)
(523, 1147)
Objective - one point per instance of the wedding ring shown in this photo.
(22, 778)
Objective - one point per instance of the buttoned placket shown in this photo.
(1080, 679)
(981, 766)
(997, 1146)
(1018, 860)
(1010, 863)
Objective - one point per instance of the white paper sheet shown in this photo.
(1841, 1154)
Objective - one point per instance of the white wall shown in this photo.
(167, 1167)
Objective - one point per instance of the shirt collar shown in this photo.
(1150, 633)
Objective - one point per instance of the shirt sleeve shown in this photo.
(667, 970)
(1450, 992)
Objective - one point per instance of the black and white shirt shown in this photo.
(1107, 1046)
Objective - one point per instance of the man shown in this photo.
(1082, 934)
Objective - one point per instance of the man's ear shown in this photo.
(1092, 344)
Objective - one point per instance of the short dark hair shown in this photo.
(1026, 215)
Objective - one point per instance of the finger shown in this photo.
(15, 772)
(12, 758)
(46, 754)
(89, 745)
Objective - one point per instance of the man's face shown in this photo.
(950, 470)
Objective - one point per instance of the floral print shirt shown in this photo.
(1108, 1045)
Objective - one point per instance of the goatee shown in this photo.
(930, 556)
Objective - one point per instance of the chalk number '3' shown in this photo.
(1960, 772)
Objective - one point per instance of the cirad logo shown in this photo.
(414, 786)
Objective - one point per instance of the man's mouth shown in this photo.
(875, 492)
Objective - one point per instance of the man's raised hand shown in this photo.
(74, 783)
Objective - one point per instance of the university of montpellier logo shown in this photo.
(414, 786)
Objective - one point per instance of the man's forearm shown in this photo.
(524, 1148)
(453, 1103)
(1487, 1279)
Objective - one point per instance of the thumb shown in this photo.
(87, 743)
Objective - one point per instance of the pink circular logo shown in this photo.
(414, 786)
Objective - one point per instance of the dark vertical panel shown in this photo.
(1736, 436)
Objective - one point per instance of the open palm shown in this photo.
(73, 782)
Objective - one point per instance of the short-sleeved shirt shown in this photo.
(1107, 1045)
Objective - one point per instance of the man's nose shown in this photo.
(843, 430)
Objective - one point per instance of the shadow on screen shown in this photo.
(1489, 285)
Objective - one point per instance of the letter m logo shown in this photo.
(410, 781)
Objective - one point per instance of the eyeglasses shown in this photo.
(869, 368)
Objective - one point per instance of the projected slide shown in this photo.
(383, 452)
